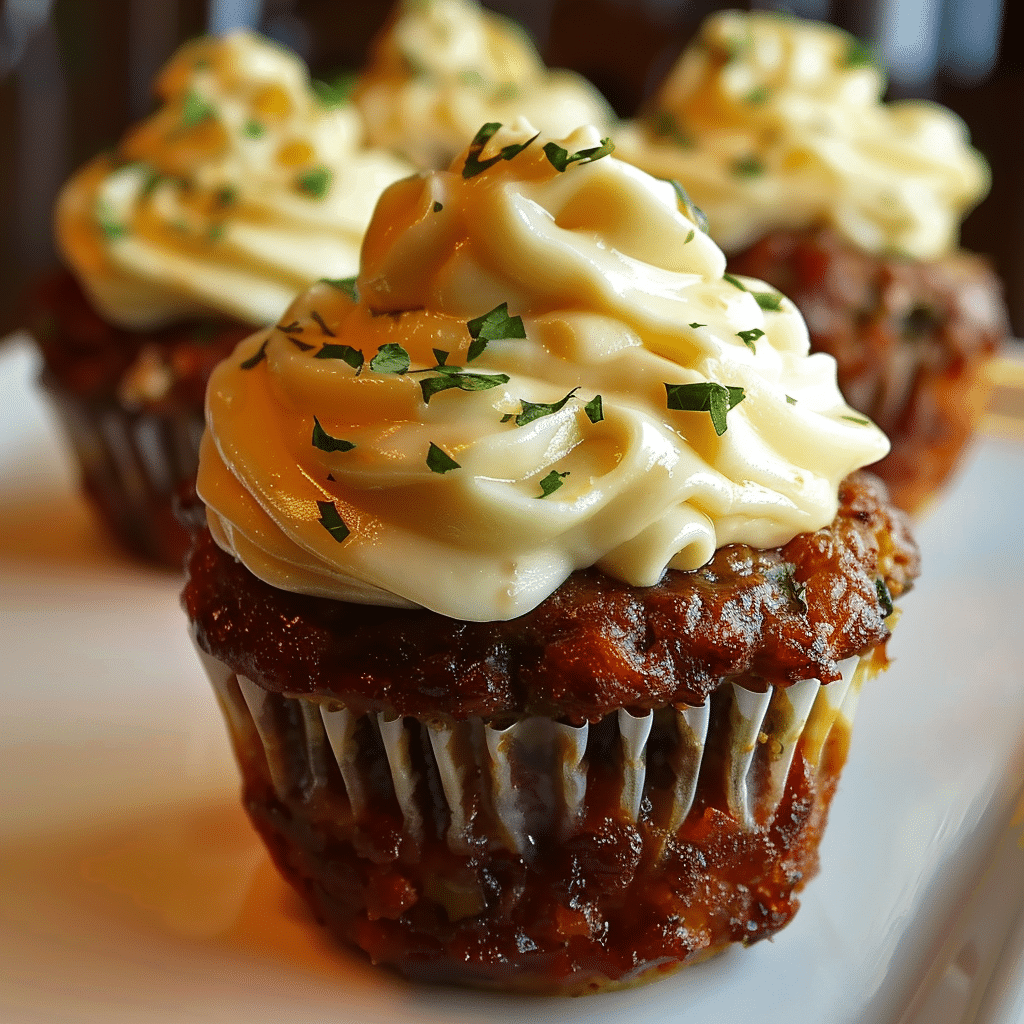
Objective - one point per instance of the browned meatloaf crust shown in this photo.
(763, 617)
(911, 339)
(623, 896)
(135, 451)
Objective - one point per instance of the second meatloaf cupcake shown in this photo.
(243, 188)
(535, 591)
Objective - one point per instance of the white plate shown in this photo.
(132, 889)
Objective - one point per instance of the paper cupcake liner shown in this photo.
(515, 781)
(132, 464)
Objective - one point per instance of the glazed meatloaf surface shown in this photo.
(910, 337)
(760, 617)
(160, 369)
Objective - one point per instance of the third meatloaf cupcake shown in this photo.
(849, 206)
(536, 591)
(243, 188)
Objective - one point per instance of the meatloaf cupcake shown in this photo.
(441, 68)
(243, 188)
(849, 206)
(535, 590)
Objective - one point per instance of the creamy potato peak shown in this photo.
(541, 366)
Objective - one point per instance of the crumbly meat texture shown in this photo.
(911, 339)
(763, 617)
(92, 359)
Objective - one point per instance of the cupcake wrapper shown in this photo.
(515, 782)
(132, 464)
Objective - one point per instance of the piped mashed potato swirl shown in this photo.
(772, 122)
(242, 189)
(441, 68)
(498, 400)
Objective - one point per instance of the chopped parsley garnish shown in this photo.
(330, 519)
(594, 409)
(470, 76)
(695, 325)
(314, 182)
(758, 95)
(431, 386)
(770, 301)
(857, 419)
(439, 461)
(794, 588)
(438, 207)
(747, 167)
(226, 195)
(535, 410)
(216, 231)
(335, 92)
(735, 282)
(560, 158)
(253, 129)
(195, 110)
(749, 337)
(322, 324)
(108, 225)
(326, 443)
(689, 238)
(440, 355)
(551, 483)
(257, 357)
(390, 358)
(694, 212)
(474, 165)
(791, 399)
(506, 91)
(667, 126)
(705, 396)
(496, 325)
(346, 353)
(860, 54)
(884, 597)
(343, 284)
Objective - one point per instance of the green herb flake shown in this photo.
(560, 158)
(195, 110)
(390, 358)
(112, 229)
(335, 92)
(496, 325)
(667, 126)
(551, 483)
(884, 597)
(257, 357)
(705, 396)
(695, 325)
(860, 54)
(535, 410)
(439, 461)
(326, 443)
(771, 302)
(692, 211)
(474, 165)
(594, 409)
(315, 182)
(749, 337)
(253, 129)
(225, 195)
(506, 91)
(795, 590)
(689, 238)
(735, 282)
(330, 519)
(438, 207)
(440, 355)
(758, 95)
(431, 386)
(322, 324)
(747, 167)
(216, 231)
(857, 419)
(343, 284)
(345, 353)
(470, 76)
(791, 399)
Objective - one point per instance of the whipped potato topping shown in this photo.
(540, 367)
(772, 122)
(240, 191)
(442, 68)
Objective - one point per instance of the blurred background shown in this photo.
(75, 73)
